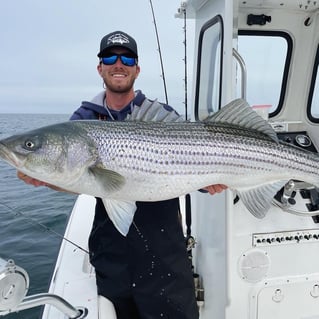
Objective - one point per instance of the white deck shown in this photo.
(74, 278)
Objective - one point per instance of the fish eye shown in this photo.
(29, 144)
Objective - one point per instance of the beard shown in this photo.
(119, 87)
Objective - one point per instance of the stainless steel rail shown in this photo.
(242, 65)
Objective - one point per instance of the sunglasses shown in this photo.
(126, 60)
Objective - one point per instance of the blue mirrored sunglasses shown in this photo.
(126, 60)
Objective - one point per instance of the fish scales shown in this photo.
(197, 148)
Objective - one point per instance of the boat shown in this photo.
(267, 52)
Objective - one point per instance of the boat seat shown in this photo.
(106, 308)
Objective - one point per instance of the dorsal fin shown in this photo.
(239, 112)
(153, 111)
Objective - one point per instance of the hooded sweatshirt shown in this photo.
(95, 109)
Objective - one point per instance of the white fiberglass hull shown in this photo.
(74, 277)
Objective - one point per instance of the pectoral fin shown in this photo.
(110, 180)
(121, 213)
(258, 200)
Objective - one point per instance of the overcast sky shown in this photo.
(48, 51)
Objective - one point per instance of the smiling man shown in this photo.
(118, 68)
(146, 274)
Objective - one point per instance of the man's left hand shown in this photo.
(217, 188)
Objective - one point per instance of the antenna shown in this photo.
(160, 52)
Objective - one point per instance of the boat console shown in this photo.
(299, 139)
(298, 197)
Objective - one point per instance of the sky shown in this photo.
(48, 51)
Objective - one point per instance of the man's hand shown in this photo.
(217, 188)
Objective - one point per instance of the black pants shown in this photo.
(146, 274)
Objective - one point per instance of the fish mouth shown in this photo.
(10, 157)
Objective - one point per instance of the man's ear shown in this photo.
(138, 70)
(99, 68)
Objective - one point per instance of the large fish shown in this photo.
(143, 159)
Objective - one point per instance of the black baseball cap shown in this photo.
(117, 39)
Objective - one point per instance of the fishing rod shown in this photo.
(183, 8)
(34, 222)
(159, 50)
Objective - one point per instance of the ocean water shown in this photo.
(23, 207)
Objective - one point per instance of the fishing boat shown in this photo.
(266, 52)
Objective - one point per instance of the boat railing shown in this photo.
(242, 65)
(14, 285)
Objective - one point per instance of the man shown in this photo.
(146, 274)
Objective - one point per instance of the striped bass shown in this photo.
(154, 156)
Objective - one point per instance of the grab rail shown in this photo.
(14, 285)
(242, 65)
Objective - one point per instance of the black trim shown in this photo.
(287, 63)
(207, 25)
(312, 88)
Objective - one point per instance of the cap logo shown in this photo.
(117, 38)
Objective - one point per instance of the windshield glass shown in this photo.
(313, 103)
(266, 56)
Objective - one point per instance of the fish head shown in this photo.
(51, 154)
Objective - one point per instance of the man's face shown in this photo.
(118, 77)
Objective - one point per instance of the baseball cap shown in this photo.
(117, 39)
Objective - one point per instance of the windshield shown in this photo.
(313, 102)
(266, 55)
